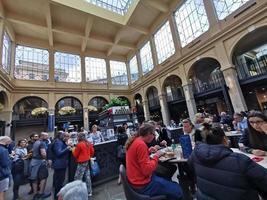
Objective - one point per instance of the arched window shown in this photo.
(98, 102)
(173, 88)
(69, 101)
(152, 97)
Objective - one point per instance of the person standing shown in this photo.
(96, 136)
(140, 167)
(60, 160)
(5, 165)
(83, 152)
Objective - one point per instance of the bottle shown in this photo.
(173, 146)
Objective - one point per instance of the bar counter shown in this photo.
(106, 156)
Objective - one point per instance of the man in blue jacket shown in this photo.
(222, 174)
(60, 159)
(5, 165)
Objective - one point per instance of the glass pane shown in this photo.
(31, 63)
(164, 42)
(6, 54)
(118, 73)
(96, 71)
(146, 58)
(191, 20)
(226, 7)
(118, 6)
(67, 67)
(133, 69)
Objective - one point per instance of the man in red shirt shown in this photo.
(140, 167)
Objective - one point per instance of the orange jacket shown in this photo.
(83, 152)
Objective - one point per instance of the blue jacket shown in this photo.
(222, 174)
(5, 163)
(61, 154)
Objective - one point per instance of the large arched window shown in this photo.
(191, 20)
(72, 102)
(24, 107)
(173, 88)
(98, 102)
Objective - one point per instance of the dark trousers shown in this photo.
(58, 180)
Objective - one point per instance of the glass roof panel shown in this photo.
(118, 6)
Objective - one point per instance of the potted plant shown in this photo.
(66, 110)
(39, 111)
(117, 106)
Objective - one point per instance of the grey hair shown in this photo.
(4, 139)
(75, 190)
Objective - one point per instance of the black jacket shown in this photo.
(222, 174)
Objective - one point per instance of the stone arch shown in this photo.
(21, 96)
(152, 96)
(98, 102)
(4, 100)
(262, 29)
(126, 99)
(172, 88)
(69, 101)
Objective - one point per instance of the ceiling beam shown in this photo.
(49, 24)
(116, 40)
(158, 5)
(88, 28)
(139, 29)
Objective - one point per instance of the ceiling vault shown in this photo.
(88, 28)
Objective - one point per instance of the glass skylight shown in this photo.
(118, 6)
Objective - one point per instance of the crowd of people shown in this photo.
(215, 171)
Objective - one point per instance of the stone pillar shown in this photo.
(2, 27)
(154, 52)
(175, 35)
(85, 118)
(128, 73)
(146, 109)
(234, 90)
(212, 17)
(190, 100)
(139, 64)
(6, 115)
(109, 82)
(83, 71)
(164, 109)
(51, 65)
(51, 122)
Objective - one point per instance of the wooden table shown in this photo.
(262, 163)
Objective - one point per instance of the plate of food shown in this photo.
(168, 155)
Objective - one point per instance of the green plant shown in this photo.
(116, 102)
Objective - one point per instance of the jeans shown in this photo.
(160, 186)
(58, 180)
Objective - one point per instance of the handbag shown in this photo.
(95, 169)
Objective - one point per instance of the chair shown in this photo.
(130, 193)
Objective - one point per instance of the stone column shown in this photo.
(6, 115)
(154, 52)
(146, 109)
(164, 109)
(51, 65)
(51, 122)
(2, 27)
(109, 82)
(175, 36)
(139, 64)
(190, 100)
(234, 90)
(83, 71)
(85, 118)
(212, 17)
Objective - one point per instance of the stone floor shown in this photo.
(108, 191)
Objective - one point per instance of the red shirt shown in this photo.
(139, 166)
(83, 152)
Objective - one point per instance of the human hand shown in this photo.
(258, 152)
(152, 149)
(159, 153)
(163, 143)
(49, 163)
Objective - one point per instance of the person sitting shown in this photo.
(222, 174)
(199, 119)
(140, 167)
(70, 191)
(190, 130)
(96, 135)
(254, 137)
(83, 152)
(240, 122)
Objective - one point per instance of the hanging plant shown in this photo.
(116, 102)
(67, 110)
(91, 108)
(1, 106)
(39, 111)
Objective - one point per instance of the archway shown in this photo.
(209, 86)
(153, 103)
(250, 58)
(172, 88)
(98, 102)
(69, 120)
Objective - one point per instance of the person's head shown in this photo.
(81, 137)
(34, 137)
(238, 117)
(125, 125)
(216, 136)
(121, 130)
(147, 132)
(43, 136)
(82, 129)
(187, 125)
(66, 136)
(94, 128)
(199, 118)
(22, 143)
(255, 120)
(5, 140)
(71, 190)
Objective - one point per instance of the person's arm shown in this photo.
(42, 150)
(101, 136)
(245, 141)
(76, 150)
(92, 150)
(4, 159)
(58, 149)
(148, 166)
